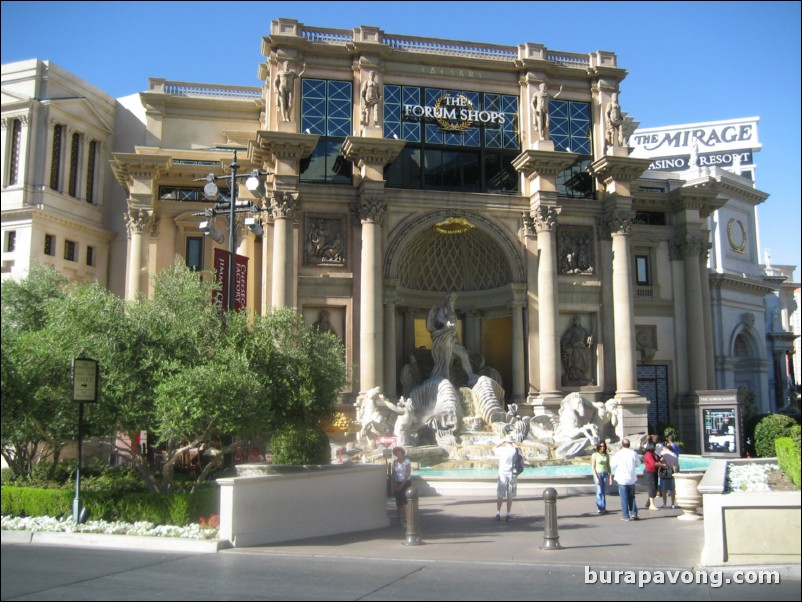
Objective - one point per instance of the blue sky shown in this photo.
(687, 61)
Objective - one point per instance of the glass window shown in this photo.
(642, 273)
(571, 127)
(70, 250)
(55, 157)
(326, 110)
(90, 172)
(195, 253)
(11, 241)
(50, 245)
(75, 147)
(16, 144)
(90, 256)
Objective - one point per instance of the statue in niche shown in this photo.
(575, 251)
(370, 94)
(575, 353)
(324, 242)
(323, 323)
(540, 106)
(614, 122)
(442, 325)
(284, 85)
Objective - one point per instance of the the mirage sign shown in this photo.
(713, 144)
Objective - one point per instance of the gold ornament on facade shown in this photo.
(447, 125)
(453, 225)
(735, 233)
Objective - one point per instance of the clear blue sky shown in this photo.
(687, 61)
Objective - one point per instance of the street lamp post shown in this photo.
(255, 185)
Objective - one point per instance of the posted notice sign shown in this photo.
(84, 380)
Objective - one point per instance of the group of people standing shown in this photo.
(660, 462)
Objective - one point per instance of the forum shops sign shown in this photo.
(453, 113)
(729, 144)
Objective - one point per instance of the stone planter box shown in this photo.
(748, 528)
(283, 503)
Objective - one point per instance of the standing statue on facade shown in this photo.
(323, 323)
(540, 104)
(442, 325)
(614, 123)
(284, 85)
(575, 352)
(371, 94)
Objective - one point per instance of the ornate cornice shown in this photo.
(741, 284)
(281, 145)
(609, 169)
(534, 163)
(378, 151)
(128, 167)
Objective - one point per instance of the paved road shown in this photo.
(32, 572)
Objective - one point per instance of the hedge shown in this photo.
(177, 509)
(769, 429)
(300, 445)
(788, 458)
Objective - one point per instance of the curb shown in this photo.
(100, 540)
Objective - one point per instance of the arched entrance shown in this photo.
(445, 251)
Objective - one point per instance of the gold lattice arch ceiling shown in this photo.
(445, 251)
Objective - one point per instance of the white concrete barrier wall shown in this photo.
(317, 501)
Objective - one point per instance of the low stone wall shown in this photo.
(748, 528)
(290, 503)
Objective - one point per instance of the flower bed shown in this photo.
(143, 528)
(750, 478)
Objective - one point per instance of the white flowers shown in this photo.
(66, 525)
(749, 477)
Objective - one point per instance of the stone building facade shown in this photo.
(402, 169)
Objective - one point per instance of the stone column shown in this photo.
(283, 208)
(518, 352)
(545, 219)
(690, 247)
(390, 371)
(708, 316)
(620, 224)
(370, 210)
(136, 220)
(532, 342)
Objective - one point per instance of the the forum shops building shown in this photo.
(401, 169)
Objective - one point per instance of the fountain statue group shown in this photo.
(453, 401)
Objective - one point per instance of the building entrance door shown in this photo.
(653, 385)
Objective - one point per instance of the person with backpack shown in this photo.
(507, 487)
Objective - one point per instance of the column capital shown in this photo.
(284, 204)
(691, 246)
(137, 220)
(370, 208)
(544, 218)
(617, 222)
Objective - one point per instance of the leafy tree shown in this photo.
(174, 365)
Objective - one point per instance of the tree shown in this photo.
(173, 365)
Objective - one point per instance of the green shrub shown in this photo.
(768, 430)
(162, 509)
(789, 457)
(300, 444)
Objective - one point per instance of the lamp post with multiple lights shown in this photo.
(254, 183)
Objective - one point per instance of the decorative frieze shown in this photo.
(324, 240)
(575, 250)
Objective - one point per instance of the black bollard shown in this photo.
(413, 519)
(551, 539)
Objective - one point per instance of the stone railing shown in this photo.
(448, 48)
(205, 90)
(569, 59)
(320, 35)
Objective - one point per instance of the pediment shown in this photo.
(76, 111)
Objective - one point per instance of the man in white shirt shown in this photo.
(626, 462)
(507, 478)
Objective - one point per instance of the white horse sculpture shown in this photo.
(372, 420)
(573, 432)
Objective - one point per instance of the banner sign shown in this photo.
(221, 262)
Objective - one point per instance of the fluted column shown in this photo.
(390, 376)
(283, 209)
(136, 220)
(620, 224)
(691, 247)
(370, 209)
(708, 317)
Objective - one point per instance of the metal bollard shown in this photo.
(413, 519)
(551, 539)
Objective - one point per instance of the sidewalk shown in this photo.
(464, 529)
